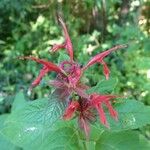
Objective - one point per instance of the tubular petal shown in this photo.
(57, 47)
(99, 57)
(50, 66)
(102, 115)
(105, 70)
(42, 73)
(73, 106)
(112, 112)
(68, 43)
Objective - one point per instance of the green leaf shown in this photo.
(143, 63)
(104, 86)
(29, 125)
(121, 141)
(19, 101)
(4, 143)
(62, 57)
(63, 137)
(132, 115)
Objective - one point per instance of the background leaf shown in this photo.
(63, 57)
(104, 86)
(121, 141)
(132, 115)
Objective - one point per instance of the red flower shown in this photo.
(67, 83)
(98, 101)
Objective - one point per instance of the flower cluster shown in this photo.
(84, 106)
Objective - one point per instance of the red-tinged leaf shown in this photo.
(57, 84)
(81, 93)
(73, 106)
(49, 65)
(99, 57)
(63, 93)
(68, 43)
(82, 86)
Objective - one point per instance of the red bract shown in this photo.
(68, 85)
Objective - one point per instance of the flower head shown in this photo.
(68, 84)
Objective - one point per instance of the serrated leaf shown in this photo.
(132, 115)
(104, 86)
(120, 141)
(63, 137)
(29, 125)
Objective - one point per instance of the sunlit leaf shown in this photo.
(30, 124)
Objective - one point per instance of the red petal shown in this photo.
(68, 43)
(102, 115)
(57, 47)
(74, 105)
(49, 65)
(100, 57)
(43, 71)
(96, 98)
(112, 112)
(105, 70)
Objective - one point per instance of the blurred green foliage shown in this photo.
(30, 28)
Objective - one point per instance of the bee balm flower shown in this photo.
(68, 84)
